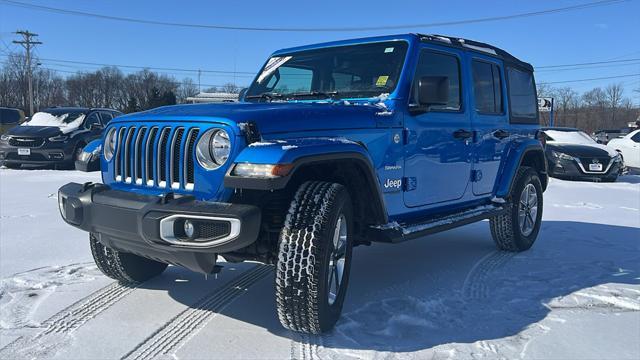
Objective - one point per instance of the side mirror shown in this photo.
(95, 126)
(433, 90)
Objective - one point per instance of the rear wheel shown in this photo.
(314, 258)
(124, 267)
(518, 228)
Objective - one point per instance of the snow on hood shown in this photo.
(576, 138)
(46, 119)
(570, 137)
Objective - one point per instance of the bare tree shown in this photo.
(230, 88)
(614, 98)
(186, 89)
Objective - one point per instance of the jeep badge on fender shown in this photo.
(310, 163)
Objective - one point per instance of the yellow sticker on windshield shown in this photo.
(382, 80)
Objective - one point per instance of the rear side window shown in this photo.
(92, 119)
(636, 137)
(522, 96)
(487, 87)
(106, 117)
(437, 64)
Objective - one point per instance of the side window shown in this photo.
(522, 96)
(91, 119)
(636, 137)
(296, 80)
(438, 64)
(106, 117)
(487, 87)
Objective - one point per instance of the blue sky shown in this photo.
(587, 35)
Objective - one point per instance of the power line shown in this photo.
(582, 64)
(148, 67)
(588, 67)
(308, 29)
(591, 79)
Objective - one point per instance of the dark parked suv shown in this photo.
(53, 136)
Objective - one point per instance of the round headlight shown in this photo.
(213, 149)
(110, 144)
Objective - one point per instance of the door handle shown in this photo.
(501, 134)
(462, 134)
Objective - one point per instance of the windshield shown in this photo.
(61, 119)
(356, 71)
(569, 137)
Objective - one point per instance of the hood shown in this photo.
(273, 117)
(35, 131)
(582, 150)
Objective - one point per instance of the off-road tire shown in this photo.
(505, 228)
(306, 245)
(124, 267)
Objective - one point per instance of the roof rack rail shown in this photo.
(476, 46)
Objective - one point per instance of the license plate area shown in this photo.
(25, 152)
(595, 167)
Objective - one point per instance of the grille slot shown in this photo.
(117, 157)
(161, 157)
(174, 173)
(126, 159)
(137, 156)
(156, 156)
(188, 158)
(148, 156)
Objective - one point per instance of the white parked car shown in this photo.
(629, 147)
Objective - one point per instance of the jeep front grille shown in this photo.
(156, 156)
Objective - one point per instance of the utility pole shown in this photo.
(28, 44)
(199, 86)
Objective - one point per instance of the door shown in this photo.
(631, 152)
(489, 121)
(437, 152)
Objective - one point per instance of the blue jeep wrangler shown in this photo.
(334, 145)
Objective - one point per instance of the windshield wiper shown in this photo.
(325, 94)
(266, 96)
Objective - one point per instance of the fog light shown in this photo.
(189, 229)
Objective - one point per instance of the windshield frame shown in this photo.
(330, 95)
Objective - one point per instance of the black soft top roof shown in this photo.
(480, 47)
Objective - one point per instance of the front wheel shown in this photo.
(314, 257)
(518, 228)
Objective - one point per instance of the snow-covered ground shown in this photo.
(575, 294)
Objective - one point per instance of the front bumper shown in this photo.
(574, 169)
(47, 154)
(137, 224)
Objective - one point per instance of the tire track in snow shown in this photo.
(58, 327)
(476, 283)
(305, 346)
(79, 313)
(179, 330)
